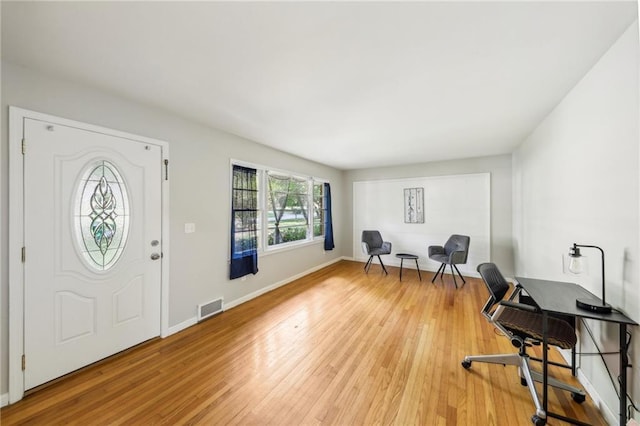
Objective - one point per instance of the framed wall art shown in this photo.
(414, 205)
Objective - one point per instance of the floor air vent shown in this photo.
(209, 309)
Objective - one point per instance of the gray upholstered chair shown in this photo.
(454, 252)
(522, 324)
(373, 245)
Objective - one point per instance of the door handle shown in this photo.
(155, 256)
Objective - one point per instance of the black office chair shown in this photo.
(523, 325)
(454, 252)
(373, 245)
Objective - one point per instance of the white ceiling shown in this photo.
(347, 84)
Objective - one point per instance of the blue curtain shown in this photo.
(328, 221)
(244, 219)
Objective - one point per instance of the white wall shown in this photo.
(576, 179)
(499, 168)
(456, 204)
(199, 186)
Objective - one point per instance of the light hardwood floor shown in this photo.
(336, 347)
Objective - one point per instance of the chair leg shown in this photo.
(382, 264)
(502, 359)
(454, 276)
(442, 265)
(526, 372)
(442, 269)
(461, 277)
(368, 265)
(521, 360)
(552, 381)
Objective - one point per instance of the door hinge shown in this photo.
(24, 146)
(24, 362)
(166, 169)
(23, 256)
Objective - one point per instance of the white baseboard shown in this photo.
(411, 265)
(606, 412)
(193, 321)
(286, 281)
(4, 400)
(179, 327)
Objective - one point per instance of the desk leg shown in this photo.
(545, 365)
(624, 364)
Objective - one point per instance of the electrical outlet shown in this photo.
(189, 228)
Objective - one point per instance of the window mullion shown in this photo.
(264, 226)
(310, 209)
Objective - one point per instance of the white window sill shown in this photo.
(290, 246)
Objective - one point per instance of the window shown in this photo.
(287, 209)
(101, 215)
(291, 209)
(244, 222)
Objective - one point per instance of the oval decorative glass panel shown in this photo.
(101, 215)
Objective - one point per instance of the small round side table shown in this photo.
(403, 256)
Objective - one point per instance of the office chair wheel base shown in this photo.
(466, 364)
(578, 397)
(538, 421)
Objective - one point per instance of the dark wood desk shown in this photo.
(560, 298)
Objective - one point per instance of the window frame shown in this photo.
(323, 207)
(244, 201)
(263, 229)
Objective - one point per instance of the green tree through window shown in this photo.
(287, 209)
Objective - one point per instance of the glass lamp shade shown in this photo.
(577, 264)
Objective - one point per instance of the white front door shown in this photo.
(92, 237)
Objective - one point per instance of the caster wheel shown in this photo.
(577, 397)
(523, 381)
(466, 364)
(538, 421)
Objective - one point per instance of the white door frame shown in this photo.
(16, 236)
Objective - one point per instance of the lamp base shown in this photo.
(594, 305)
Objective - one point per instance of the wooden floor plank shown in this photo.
(337, 347)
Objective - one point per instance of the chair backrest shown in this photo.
(495, 282)
(372, 238)
(457, 243)
(516, 322)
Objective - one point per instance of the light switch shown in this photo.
(189, 228)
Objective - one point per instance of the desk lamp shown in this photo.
(577, 265)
